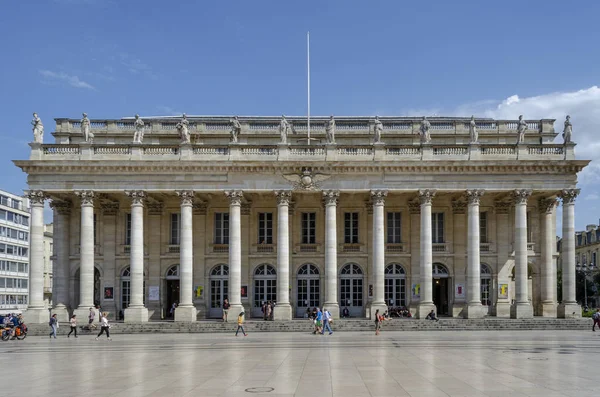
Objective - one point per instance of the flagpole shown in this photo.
(308, 81)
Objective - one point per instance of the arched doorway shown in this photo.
(395, 285)
(171, 288)
(441, 284)
(308, 289)
(265, 287)
(486, 287)
(125, 288)
(351, 289)
(77, 286)
(219, 288)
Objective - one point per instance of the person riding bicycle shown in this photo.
(8, 323)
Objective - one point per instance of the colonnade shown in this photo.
(186, 311)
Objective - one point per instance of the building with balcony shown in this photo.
(362, 216)
(14, 252)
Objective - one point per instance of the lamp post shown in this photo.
(586, 269)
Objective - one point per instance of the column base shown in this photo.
(334, 309)
(136, 315)
(474, 311)
(382, 307)
(36, 315)
(423, 310)
(186, 314)
(282, 312)
(62, 313)
(521, 310)
(83, 312)
(549, 310)
(234, 312)
(503, 309)
(569, 310)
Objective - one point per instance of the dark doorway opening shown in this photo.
(440, 296)
(172, 294)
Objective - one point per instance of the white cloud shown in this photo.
(136, 66)
(592, 196)
(73, 81)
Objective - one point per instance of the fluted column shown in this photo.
(235, 252)
(474, 308)
(186, 311)
(548, 270)
(426, 264)
(378, 199)
(521, 308)
(86, 252)
(137, 312)
(283, 309)
(330, 198)
(569, 307)
(60, 270)
(36, 313)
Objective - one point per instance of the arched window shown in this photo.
(126, 288)
(265, 287)
(395, 285)
(173, 273)
(220, 270)
(308, 288)
(219, 289)
(308, 269)
(439, 271)
(351, 288)
(351, 268)
(486, 283)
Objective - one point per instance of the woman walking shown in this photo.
(73, 324)
(378, 320)
(104, 326)
(53, 325)
(241, 325)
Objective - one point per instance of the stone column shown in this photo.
(548, 270)
(61, 270)
(36, 313)
(330, 198)
(474, 308)
(186, 311)
(568, 307)
(86, 254)
(137, 312)
(426, 265)
(283, 309)
(379, 303)
(521, 308)
(235, 252)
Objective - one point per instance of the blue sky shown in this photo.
(113, 58)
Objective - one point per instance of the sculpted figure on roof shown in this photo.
(285, 128)
(473, 130)
(330, 130)
(38, 129)
(521, 128)
(236, 129)
(568, 131)
(425, 125)
(138, 135)
(378, 130)
(88, 136)
(183, 129)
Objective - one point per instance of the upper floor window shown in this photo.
(483, 222)
(175, 228)
(265, 228)
(127, 229)
(437, 227)
(221, 228)
(394, 228)
(351, 228)
(309, 227)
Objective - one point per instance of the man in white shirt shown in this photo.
(326, 319)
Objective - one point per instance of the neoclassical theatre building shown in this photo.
(457, 215)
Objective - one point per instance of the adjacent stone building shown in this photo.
(48, 262)
(449, 214)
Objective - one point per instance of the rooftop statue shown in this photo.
(38, 129)
(521, 128)
(183, 129)
(285, 129)
(138, 135)
(568, 131)
(88, 136)
(236, 129)
(473, 130)
(425, 125)
(378, 130)
(330, 130)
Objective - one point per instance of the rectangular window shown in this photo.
(2, 282)
(95, 229)
(3, 214)
(10, 249)
(221, 228)
(4, 200)
(16, 204)
(594, 258)
(265, 228)
(437, 227)
(127, 229)
(394, 228)
(2, 248)
(3, 231)
(483, 237)
(309, 227)
(175, 228)
(351, 227)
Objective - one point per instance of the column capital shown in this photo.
(234, 196)
(110, 208)
(137, 197)
(284, 197)
(63, 207)
(86, 196)
(186, 197)
(330, 197)
(378, 196)
(36, 197)
(459, 206)
(501, 207)
(426, 196)
(520, 196)
(568, 196)
(474, 196)
(546, 205)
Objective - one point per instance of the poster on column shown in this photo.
(503, 291)
(108, 293)
(153, 293)
(460, 291)
(416, 291)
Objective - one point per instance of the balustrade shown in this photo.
(450, 150)
(112, 149)
(395, 248)
(398, 126)
(61, 149)
(160, 150)
(355, 151)
(546, 150)
(489, 150)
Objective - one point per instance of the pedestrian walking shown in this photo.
(319, 323)
(378, 321)
(73, 324)
(225, 309)
(104, 326)
(326, 322)
(53, 326)
(241, 325)
(269, 311)
(91, 318)
(596, 318)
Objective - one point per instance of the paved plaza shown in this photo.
(480, 363)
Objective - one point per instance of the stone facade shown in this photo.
(462, 228)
